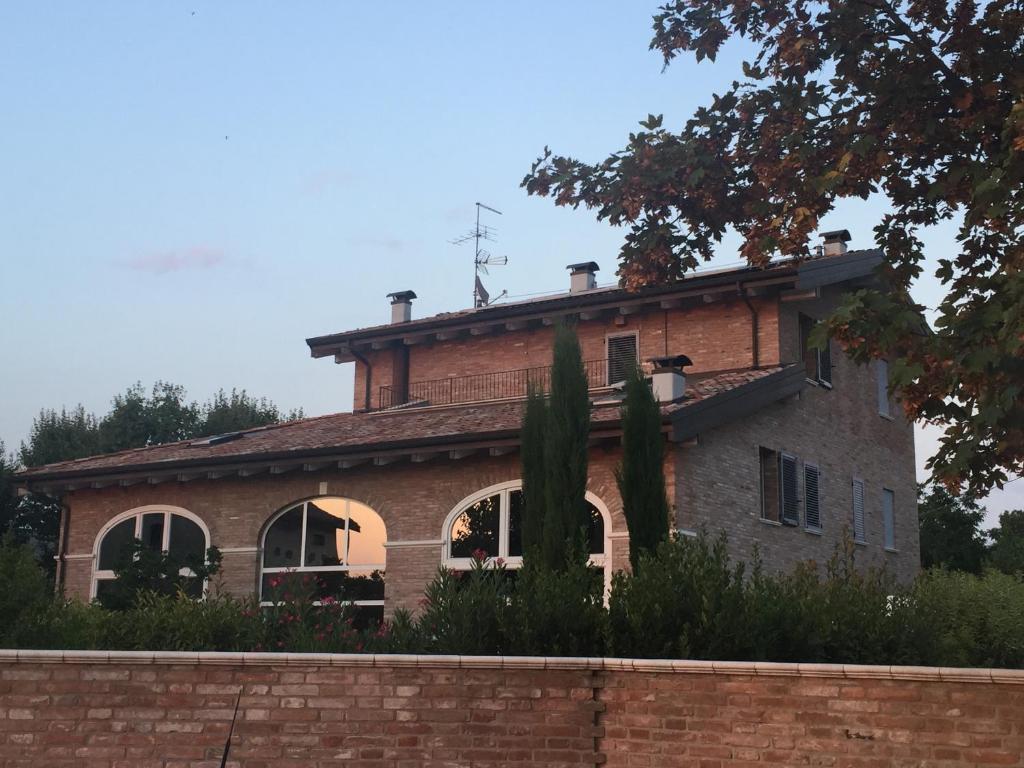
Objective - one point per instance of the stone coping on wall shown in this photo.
(594, 664)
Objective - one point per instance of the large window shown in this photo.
(175, 531)
(489, 523)
(340, 541)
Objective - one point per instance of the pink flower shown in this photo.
(479, 555)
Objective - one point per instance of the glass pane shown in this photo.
(152, 533)
(188, 543)
(325, 532)
(105, 587)
(366, 536)
(115, 542)
(352, 585)
(595, 531)
(281, 546)
(515, 521)
(477, 528)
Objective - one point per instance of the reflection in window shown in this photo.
(340, 541)
(178, 535)
(493, 525)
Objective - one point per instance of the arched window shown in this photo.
(172, 530)
(339, 540)
(489, 521)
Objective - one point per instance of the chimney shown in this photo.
(835, 242)
(581, 276)
(401, 306)
(668, 380)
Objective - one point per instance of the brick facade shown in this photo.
(716, 337)
(175, 711)
(413, 499)
(713, 481)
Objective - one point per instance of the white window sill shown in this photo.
(814, 531)
(766, 521)
(887, 417)
(893, 550)
(861, 542)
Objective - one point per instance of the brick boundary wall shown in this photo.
(174, 710)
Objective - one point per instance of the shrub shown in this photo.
(464, 612)
(25, 591)
(143, 570)
(556, 613)
(685, 601)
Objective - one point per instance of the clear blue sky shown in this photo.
(189, 189)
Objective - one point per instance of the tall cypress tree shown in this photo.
(641, 475)
(567, 428)
(532, 457)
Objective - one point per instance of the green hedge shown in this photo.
(685, 601)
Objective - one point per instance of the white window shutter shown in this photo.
(859, 527)
(812, 497)
(790, 503)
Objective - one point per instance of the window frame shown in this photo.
(167, 510)
(889, 520)
(301, 568)
(882, 388)
(863, 510)
(816, 469)
(504, 490)
(822, 369)
(776, 455)
(607, 352)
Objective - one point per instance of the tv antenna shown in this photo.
(482, 259)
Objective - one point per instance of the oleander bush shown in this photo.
(687, 600)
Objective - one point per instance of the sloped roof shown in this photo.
(373, 434)
(807, 273)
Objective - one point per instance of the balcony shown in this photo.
(499, 385)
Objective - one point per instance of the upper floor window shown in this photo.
(338, 540)
(882, 385)
(779, 493)
(817, 362)
(623, 355)
(171, 530)
(488, 523)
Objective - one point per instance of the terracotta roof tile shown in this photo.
(343, 433)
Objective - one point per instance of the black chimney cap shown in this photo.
(583, 266)
(842, 235)
(401, 297)
(671, 361)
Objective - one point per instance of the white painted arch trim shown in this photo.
(138, 512)
(503, 489)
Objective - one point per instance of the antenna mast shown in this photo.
(481, 258)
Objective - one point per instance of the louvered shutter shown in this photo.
(622, 357)
(812, 499)
(790, 503)
(859, 528)
(825, 363)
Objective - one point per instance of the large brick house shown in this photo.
(778, 444)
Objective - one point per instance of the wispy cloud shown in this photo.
(162, 262)
(370, 244)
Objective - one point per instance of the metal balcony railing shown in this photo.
(479, 387)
